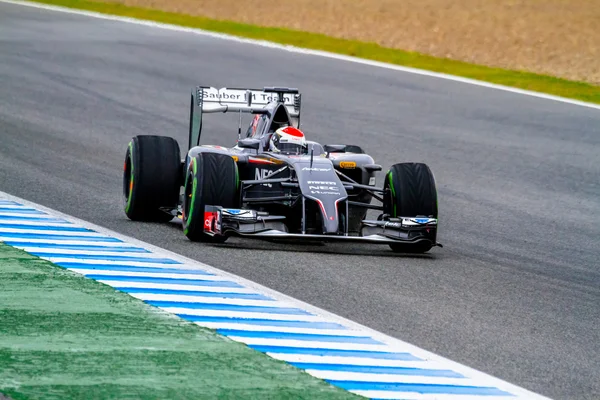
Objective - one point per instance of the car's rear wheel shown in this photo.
(151, 178)
(211, 179)
(412, 193)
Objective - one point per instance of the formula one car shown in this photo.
(275, 184)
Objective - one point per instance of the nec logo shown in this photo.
(262, 174)
(316, 169)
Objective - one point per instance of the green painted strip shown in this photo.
(518, 79)
(63, 336)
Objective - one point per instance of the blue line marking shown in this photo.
(247, 296)
(229, 307)
(108, 258)
(51, 236)
(22, 211)
(264, 322)
(445, 373)
(90, 247)
(46, 228)
(34, 219)
(380, 355)
(298, 336)
(148, 279)
(126, 268)
(423, 388)
(9, 203)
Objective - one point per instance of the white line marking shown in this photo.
(210, 300)
(152, 275)
(387, 378)
(48, 232)
(359, 361)
(309, 344)
(17, 214)
(242, 314)
(94, 252)
(112, 262)
(13, 206)
(384, 394)
(395, 345)
(284, 329)
(300, 50)
(83, 242)
(171, 286)
(34, 223)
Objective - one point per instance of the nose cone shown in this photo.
(319, 182)
(329, 213)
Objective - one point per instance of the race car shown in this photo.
(273, 183)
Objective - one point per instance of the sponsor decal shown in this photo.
(372, 181)
(209, 218)
(238, 213)
(261, 174)
(323, 192)
(421, 220)
(396, 225)
(322, 183)
(323, 187)
(316, 169)
(418, 221)
(227, 95)
(348, 164)
(221, 95)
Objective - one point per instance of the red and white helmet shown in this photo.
(288, 140)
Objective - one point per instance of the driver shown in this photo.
(288, 140)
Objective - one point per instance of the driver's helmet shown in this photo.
(288, 140)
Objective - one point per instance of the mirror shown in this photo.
(249, 143)
(335, 148)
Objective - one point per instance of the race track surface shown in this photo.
(515, 292)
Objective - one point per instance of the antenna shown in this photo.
(240, 127)
(312, 151)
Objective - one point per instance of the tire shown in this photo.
(211, 179)
(151, 178)
(412, 192)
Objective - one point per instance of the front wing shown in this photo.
(219, 221)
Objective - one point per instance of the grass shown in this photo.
(518, 79)
(64, 336)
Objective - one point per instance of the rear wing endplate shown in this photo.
(205, 99)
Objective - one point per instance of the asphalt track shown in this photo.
(515, 292)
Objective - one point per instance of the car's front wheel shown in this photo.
(211, 179)
(411, 192)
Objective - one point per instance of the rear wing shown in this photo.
(205, 99)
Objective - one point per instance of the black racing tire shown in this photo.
(412, 192)
(211, 179)
(151, 178)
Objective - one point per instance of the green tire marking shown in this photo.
(128, 205)
(393, 192)
(188, 218)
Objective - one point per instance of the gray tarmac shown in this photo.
(515, 292)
